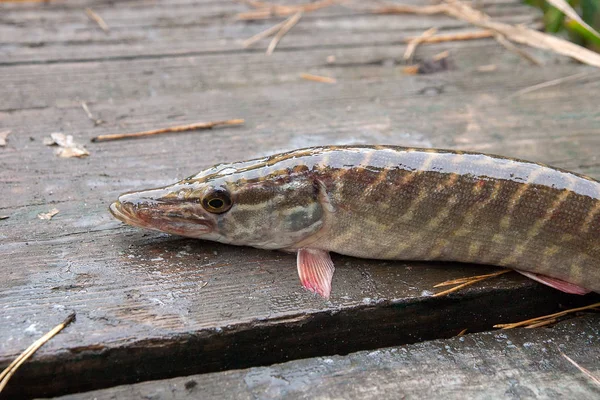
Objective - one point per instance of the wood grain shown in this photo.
(519, 364)
(150, 306)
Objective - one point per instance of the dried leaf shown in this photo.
(49, 214)
(3, 136)
(67, 148)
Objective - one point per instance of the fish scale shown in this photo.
(418, 201)
(388, 202)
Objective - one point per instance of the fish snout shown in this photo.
(160, 209)
(115, 209)
(130, 205)
(146, 198)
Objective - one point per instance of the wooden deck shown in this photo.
(152, 306)
(518, 364)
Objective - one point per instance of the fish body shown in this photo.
(393, 203)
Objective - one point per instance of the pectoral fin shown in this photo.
(556, 283)
(315, 270)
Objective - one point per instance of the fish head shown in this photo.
(232, 203)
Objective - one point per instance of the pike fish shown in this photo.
(389, 203)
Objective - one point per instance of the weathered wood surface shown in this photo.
(151, 306)
(516, 364)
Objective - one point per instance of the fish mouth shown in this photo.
(116, 210)
(164, 221)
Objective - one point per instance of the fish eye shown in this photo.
(217, 202)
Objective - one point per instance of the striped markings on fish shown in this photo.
(387, 202)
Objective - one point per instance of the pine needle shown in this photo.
(457, 288)
(508, 45)
(97, 19)
(551, 83)
(412, 45)
(534, 321)
(453, 37)
(585, 371)
(470, 278)
(179, 128)
(464, 282)
(289, 24)
(12, 368)
(266, 33)
(266, 10)
(541, 323)
(317, 78)
(89, 114)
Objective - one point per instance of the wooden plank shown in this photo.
(144, 311)
(522, 364)
(161, 29)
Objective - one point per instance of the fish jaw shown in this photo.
(152, 209)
